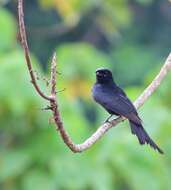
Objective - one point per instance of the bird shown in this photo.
(115, 101)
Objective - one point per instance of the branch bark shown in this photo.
(54, 101)
(26, 50)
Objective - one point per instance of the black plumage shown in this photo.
(114, 100)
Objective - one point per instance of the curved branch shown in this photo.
(54, 102)
(26, 50)
(155, 83)
(105, 127)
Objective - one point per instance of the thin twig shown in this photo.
(53, 75)
(54, 102)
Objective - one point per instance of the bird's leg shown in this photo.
(107, 120)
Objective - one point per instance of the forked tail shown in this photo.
(143, 137)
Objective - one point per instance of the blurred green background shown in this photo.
(131, 37)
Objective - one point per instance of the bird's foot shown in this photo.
(108, 119)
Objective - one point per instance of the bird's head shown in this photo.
(104, 75)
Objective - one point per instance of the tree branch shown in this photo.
(155, 83)
(53, 75)
(54, 103)
(26, 50)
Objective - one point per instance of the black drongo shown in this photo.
(114, 100)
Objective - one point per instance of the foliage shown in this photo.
(32, 155)
(8, 32)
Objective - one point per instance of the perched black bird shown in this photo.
(114, 100)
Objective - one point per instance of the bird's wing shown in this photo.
(120, 104)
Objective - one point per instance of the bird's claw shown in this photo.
(108, 119)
